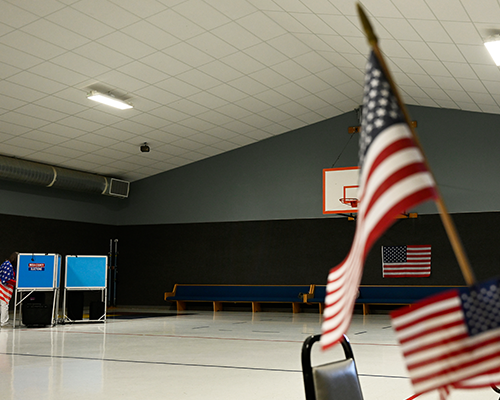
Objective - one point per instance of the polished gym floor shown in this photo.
(142, 353)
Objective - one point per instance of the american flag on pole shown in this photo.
(6, 281)
(406, 261)
(393, 178)
(452, 339)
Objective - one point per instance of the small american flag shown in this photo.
(393, 178)
(452, 339)
(406, 261)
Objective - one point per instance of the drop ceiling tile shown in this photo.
(220, 71)
(176, 24)
(293, 108)
(261, 26)
(448, 10)
(142, 9)
(313, 62)
(42, 113)
(248, 85)
(463, 32)
(169, 114)
(156, 94)
(447, 52)
(150, 120)
(24, 142)
(312, 117)
(318, 25)
(106, 12)
(31, 44)
(472, 86)
(447, 83)
(212, 45)
(234, 9)
(143, 72)
(314, 42)
(63, 130)
(199, 79)
(272, 97)
(434, 68)
(210, 119)
(418, 50)
(381, 8)
(17, 118)
(80, 23)
(16, 17)
(343, 25)
(291, 70)
(432, 31)
(188, 54)
(482, 98)
(150, 34)
(460, 70)
(236, 35)
(81, 124)
(201, 13)
(289, 45)
(287, 21)
(188, 107)
(484, 11)
(210, 151)
(487, 72)
(55, 34)
(103, 55)
(408, 65)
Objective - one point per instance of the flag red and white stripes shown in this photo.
(452, 339)
(413, 261)
(393, 178)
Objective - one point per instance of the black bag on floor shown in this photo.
(36, 315)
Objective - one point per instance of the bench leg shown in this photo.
(366, 309)
(217, 306)
(321, 308)
(296, 308)
(181, 305)
(255, 307)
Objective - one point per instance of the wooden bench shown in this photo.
(380, 295)
(254, 294)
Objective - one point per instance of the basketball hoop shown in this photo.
(349, 201)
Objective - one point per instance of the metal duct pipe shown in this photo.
(49, 176)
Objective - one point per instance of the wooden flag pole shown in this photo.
(450, 228)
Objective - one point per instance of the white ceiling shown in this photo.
(210, 76)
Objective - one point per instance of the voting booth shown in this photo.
(86, 273)
(38, 272)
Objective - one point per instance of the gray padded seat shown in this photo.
(337, 380)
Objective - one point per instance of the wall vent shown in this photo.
(119, 188)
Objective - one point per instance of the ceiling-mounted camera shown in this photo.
(145, 148)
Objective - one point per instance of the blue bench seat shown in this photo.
(380, 294)
(254, 294)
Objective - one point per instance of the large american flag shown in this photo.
(6, 281)
(412, 261)
(452, 339)
(393, 178)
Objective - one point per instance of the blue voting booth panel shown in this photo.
(86, 272)
(38, 271)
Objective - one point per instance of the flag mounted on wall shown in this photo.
(406, 261)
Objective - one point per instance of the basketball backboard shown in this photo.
(340, 190)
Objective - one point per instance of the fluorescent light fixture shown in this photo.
(108, 100)
(493, 46)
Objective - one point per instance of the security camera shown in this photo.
(145, 148)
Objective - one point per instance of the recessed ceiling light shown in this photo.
(108, 100)
(493, 46)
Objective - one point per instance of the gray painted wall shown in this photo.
(281, 177)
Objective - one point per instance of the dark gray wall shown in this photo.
(281, 177)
